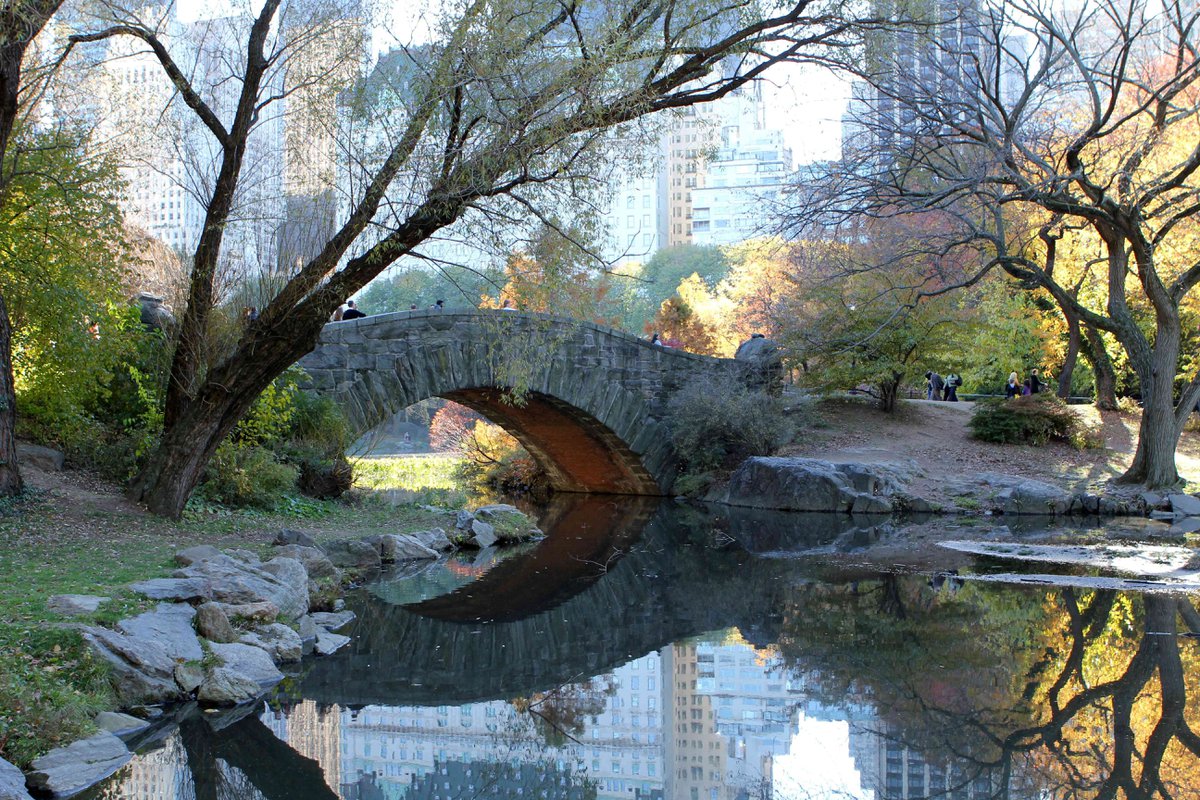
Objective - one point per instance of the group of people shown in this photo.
(348, 311)
(1016, 388)
(939, 388)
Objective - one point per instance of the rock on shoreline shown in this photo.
(228, 620)
(813, 485)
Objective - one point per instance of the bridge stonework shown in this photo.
(594, 413)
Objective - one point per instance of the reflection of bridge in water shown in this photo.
(537, 622)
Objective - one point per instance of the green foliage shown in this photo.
(1034, 419)
(1011, 335)
(319, 422)
(871, 330)
(423, 287)
(270, 417)
(658, 280)
(715, 424)
(247, 476)
(62, 254)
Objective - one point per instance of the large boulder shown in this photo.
(250, 661)
(213, 623)
(279, 641)
(12, 782)
(71, 769)
(237, 582)
(1032, 497)
(144, 650)
(46, 459)
(766, 358)
(315, 562)
(807, 484)
(356, 556)
(190, 555)
(435, 539)
(227, 687)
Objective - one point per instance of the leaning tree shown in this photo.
(1023, 122)
(505, 99)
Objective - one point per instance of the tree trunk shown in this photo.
(1072, 354)
(188, 442)
(10, 475)
(1102, 368)
(19, 23)
(1158, 436)
(889, 391)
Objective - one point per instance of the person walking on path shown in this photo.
(1013, 387)
(934, 387)
(352, 312)
(1035, 383)
(952, 384)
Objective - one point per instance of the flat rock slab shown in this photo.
(328, 643)
(144, 650)
(71, 769)
(119, 724)
(1186, 504)
(180, 590)
(74, 605)
(331, 621)
(12, 782)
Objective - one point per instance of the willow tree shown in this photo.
(1085, 117)
(507, 98)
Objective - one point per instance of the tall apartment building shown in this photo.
(743, 179)
(117, 93)
(913, 69)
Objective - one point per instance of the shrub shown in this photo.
(1034, 419)
(1128, 406)
(715, 424)
(247, 476)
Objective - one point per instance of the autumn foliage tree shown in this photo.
(1028, 114)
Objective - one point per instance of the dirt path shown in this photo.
(933, 437)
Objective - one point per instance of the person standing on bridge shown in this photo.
(507, 305)
(440, 305)
(352, 312)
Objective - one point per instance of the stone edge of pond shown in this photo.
(883, 488)
(187, 648)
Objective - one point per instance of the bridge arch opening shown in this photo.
(577, 451)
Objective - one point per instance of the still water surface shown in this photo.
(648, 651)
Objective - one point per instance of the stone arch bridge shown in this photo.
(596, 400)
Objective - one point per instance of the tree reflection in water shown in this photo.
(1087, 695)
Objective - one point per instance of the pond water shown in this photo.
(648, 651)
